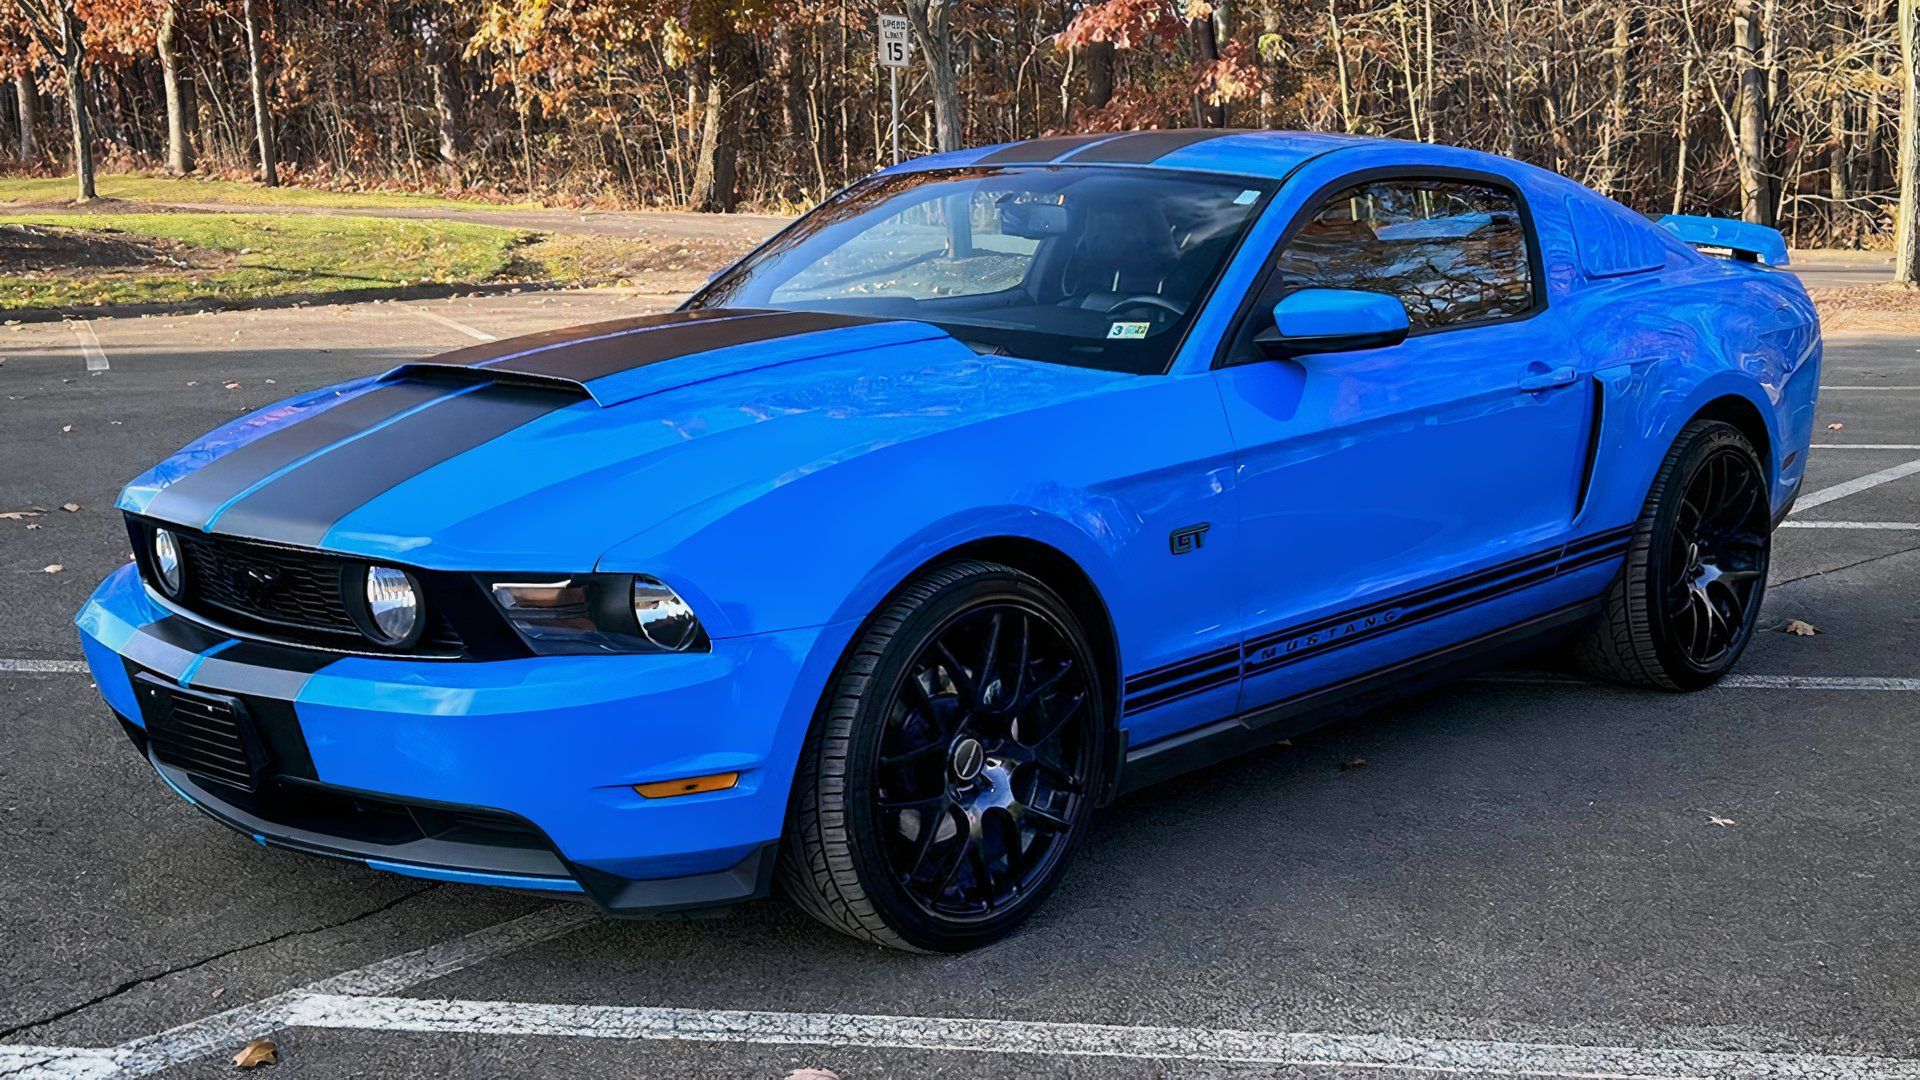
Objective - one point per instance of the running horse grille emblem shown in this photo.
(256, 583)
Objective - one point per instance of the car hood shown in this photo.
(543, 452)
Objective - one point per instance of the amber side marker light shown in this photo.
(692, 785)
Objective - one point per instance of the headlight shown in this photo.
(600, 613)
(665, 620)
(393, 605)
(167, 567)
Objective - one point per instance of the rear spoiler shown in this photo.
(1748, 242)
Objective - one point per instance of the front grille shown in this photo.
(305, 588)
(287, 592)
(202, 735)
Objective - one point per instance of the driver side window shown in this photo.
(1454, 252)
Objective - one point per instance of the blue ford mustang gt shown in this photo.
(1003, 483)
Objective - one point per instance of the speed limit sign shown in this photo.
(893, 41)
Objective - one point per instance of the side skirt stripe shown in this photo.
(1196, 675)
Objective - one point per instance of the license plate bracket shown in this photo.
(209, 736)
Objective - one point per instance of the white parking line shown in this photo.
(1283, 1048)
(1897, 525)
(476, 334)
(1865, 446)
(1854, 487)
(227, 1031)
(1824, 389)
(42, 667)
(1731, 682)
(89, 344)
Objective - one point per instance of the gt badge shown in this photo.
(1190, 539)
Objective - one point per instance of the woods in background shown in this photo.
(1786, 112)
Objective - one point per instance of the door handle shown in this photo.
(1547, 380)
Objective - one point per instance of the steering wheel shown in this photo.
(1148, 300)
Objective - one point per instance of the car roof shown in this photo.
(1264, 154)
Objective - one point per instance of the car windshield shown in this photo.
(1101, 268)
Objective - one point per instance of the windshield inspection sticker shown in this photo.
(1129, 331)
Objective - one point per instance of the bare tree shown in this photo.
(167, 44)
(1906, 243)
(56, 25)
(932, 24)
(1750, 148)
(262, 119)
(26, 105)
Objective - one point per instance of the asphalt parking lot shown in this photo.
(1530, 876)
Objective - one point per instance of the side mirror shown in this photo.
(1333, 320)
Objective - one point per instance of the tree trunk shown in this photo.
(714, 170)
(932, 24)
(179, 149)
(77, 113)
(449, 120)
(1206, 39)
(262, 120)
(28, 103)
(1906, 236)
(1750, 150)
(1099, 74)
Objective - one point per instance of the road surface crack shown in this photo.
(1837, 569)
(134, 984)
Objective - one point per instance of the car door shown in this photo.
(1391, 499)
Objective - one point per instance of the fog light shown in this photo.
(166, 562)
(393, 604)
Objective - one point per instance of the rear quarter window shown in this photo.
(1613, 241)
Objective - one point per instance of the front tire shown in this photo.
(1684, 606)
(949, 776)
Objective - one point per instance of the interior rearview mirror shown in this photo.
(1333, 320)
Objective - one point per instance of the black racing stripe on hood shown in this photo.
(1143, 147)
(609, 355)
(1041, 151)
(192, 499)
(300, 506)
(494, 352)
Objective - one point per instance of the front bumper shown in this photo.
(515, 773)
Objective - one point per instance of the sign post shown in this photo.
(894, 52)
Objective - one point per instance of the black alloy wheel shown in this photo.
(1684, 605)
(1714, 562)
(983, 765)
(954, 767)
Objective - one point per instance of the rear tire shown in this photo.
(950, 773)
(1684, 606)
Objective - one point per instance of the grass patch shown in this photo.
(1870, 309)
(75, 260)
(164, 190)
(667, 265)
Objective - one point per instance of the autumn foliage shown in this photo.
(774, 103)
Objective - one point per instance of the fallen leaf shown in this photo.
(1725, 823)
(1353, 763)
(813, 1074)
(71, 508)
(20, 515)
(257, 1053)
(217, 991)
(1835, 426)
(233, 386)
(52, 568)
(66, 429)
(1799, 629)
